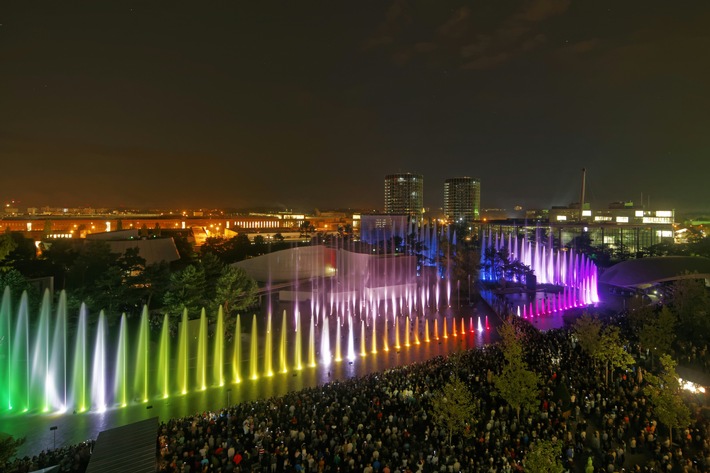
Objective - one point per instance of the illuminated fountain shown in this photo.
(54, 361)
(572, 273)
(91, 368)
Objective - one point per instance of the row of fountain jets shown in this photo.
(45, 368)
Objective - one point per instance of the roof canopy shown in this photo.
(648, 271)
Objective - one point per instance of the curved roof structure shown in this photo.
(648, 271)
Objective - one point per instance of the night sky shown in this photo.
(303, 104)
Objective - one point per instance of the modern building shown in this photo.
(621, 226)
(462, 199)
(404, 194)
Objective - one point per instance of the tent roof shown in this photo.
(649, 271)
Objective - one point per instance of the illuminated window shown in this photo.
(561, 218)
(586, 213)
(657, 220)
(638, 213)
(622, 219)
(664, 213)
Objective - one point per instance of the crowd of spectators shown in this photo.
(383, 422)
(74, 458)
(692, 355)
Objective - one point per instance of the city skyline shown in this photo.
(309, 105)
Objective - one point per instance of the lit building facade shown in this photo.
(462, 199)
(404, 194)
(621, 226)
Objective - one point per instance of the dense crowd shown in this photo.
(690, 354)
(383, 423)
(72, 459)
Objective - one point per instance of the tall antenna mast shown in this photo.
(581, 200)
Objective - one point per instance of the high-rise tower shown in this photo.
(404, 194)
(462, 199)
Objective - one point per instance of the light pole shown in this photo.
(53, 429)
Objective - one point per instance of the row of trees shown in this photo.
(454, 407)
(607, 349)
(122, 283)
(603, 345)
(684, 316)
(238, 248)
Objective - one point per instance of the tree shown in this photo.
(460, 260)
(307, 228)
(23, 249)
(658, 332)
(131, 262)
(587, 331)
(8, 448)
(259, 245)
(414, 246)
(212, 267)
(216, 246)
(18, 284)
(185, 249)
(516, 384)
(235, 291)
(664, 392)
(94, 258)
(638, 318)
(103, 279)
(155, 283)
(453, 407)
(664, 249)
(186, 291)
(690, 303)
(582, 244)
(611, 352)
(61, 255)
(544, 457)
(109, 294)
(233, 250)
(7, 245)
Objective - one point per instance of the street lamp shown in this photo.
(53, 429)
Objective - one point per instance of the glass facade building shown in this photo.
(404, 194)
(462, 199)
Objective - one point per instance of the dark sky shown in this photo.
(304, 104)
